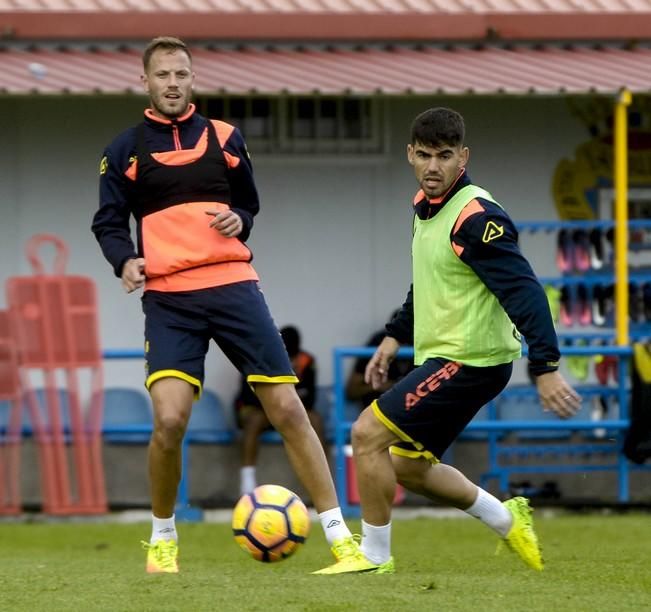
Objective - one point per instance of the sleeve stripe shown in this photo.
(472, 208)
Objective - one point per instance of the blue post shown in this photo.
(183, 511)
(341, 435)
(623, 415)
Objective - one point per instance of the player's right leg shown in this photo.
(174, 351)
(371, 438)
(172, 400)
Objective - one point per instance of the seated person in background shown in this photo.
(359, 391)
(253, 421)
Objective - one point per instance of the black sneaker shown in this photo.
(564, 258)
(581, 250)
(646, 301)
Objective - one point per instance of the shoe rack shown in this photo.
(583, 287)
(584, 258)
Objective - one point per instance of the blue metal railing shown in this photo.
(602, 224)
(342, 425)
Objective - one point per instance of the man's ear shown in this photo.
(465, 156)
(410, 154)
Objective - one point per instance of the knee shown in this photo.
(360, 435)
(286, 412)
(172, 399)
(169, 430)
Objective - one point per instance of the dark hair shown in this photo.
(292, 339)
(438, 126)
(166, 43)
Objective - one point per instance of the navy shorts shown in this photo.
(179, 326)
(432, 405)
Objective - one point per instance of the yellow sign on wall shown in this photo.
(576, 182)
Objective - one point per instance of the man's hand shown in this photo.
(557, 395)
(133, 274)
(227, 222)
(377, 369)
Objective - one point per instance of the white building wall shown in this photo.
(332, 242)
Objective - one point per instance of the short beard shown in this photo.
(438, 194)
(174, 115)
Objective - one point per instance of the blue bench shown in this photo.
(127, 416)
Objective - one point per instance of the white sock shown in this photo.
(163, 529)
(490, 511)
(334, 525)
(247, 479)
(376, 542)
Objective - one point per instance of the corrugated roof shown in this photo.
(331, 6)
(366, 70)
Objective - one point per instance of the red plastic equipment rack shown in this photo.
(10, 391)
(54, 323)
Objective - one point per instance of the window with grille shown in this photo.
(302, 124)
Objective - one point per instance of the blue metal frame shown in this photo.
(603, 224)
(184, 511)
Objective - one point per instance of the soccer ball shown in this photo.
(270, 523)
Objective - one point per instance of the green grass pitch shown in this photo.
(594, 563)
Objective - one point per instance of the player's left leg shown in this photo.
(445, 484)
(316, 420)
(376, 481)
(243, 327)
(436, 481)
(286, 413)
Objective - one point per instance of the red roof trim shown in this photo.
(287, 70)
(130, 25)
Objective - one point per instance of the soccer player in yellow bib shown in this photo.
(473, 294)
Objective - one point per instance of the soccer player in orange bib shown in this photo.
(188, 183)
